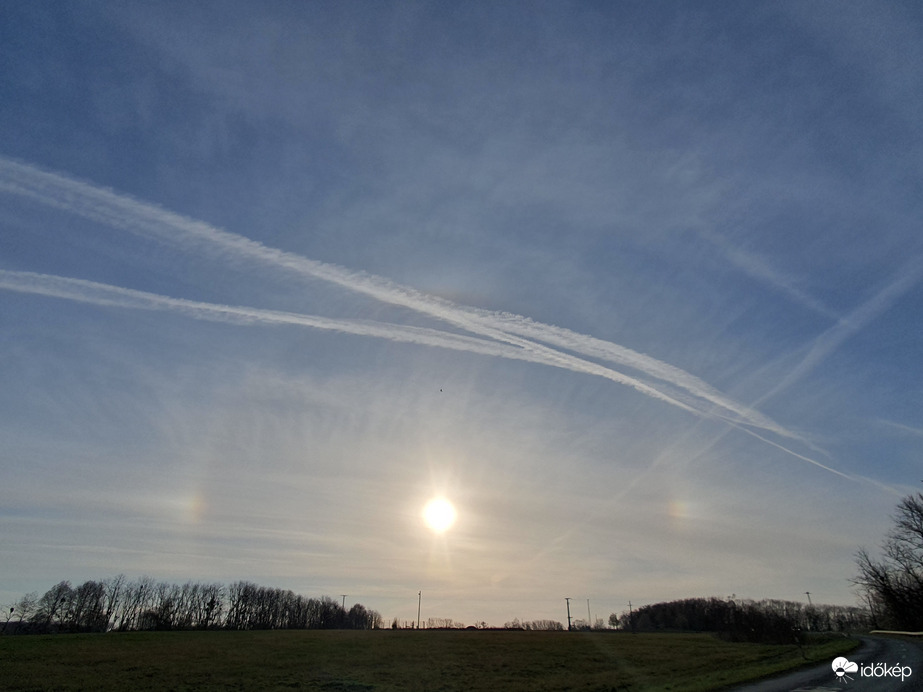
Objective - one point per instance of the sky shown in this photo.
(637, 287)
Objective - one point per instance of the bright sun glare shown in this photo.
(439, 514)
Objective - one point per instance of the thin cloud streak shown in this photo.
(128, 214)
(606, 350)
(903, 428)
(759, 270)
(799, 456)
(856, 321)
(95, 293)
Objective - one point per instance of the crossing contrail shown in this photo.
(94, 293)
(541, 341)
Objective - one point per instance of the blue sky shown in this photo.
(637, 286)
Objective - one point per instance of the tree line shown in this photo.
(766, 621)
(120, 604)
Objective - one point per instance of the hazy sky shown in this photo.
(637, 286)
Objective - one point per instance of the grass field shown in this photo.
(392, 660)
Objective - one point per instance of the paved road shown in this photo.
(890, 651)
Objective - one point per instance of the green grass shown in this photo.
(352, 661)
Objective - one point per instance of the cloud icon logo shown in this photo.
(842, 666)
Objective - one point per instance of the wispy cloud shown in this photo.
(760, 270)
(498, 334)
(902, 427)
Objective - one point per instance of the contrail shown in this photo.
(95, 293)
(606, 350)
(900, 426)
(515, 330)
(759, 270)
(800, 456)
(825, 344)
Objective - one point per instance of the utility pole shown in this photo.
(419, 603)
(344, 600)
(631, 618)
(808, 594)
(568, 613)
(589, 620)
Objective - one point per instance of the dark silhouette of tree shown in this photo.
(53, 605)
(359, 618)
(893, 584)
(88, 608)
(766, 621)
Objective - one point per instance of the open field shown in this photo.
(392, 660)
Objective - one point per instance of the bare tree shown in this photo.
(212, 602)
(52, 610)
(115, 591)
(88, 606)
(895, 582)
(26, 607)
(138, 596)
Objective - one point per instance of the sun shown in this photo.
(439, 514)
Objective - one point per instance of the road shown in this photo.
(887, 650)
